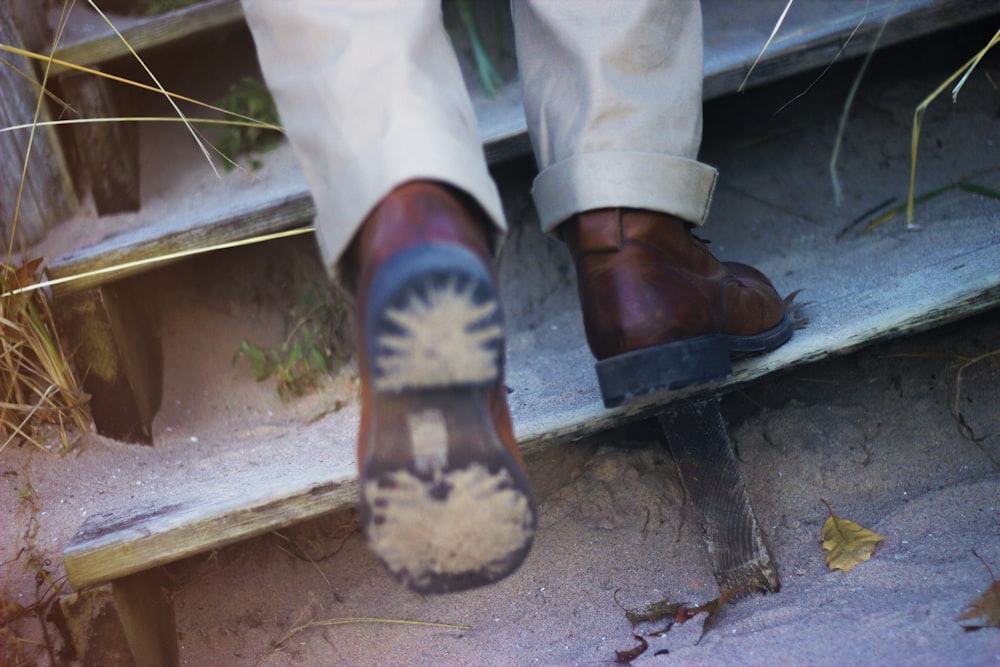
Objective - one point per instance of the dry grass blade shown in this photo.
(150, 261)
(159, 86)
(36, 383)
(31, 136)
(300, 624)
(35, 84)
(848, 102)
(135, 119)
(833, 61)
(20, 429)
(918, 117)
(135, 84)
(774, 31)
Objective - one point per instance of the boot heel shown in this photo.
(458, 513)
(662, 367)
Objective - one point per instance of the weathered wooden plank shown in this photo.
(117, 353)
(48, 195)
(944, 284)
(108, 153)
(147, 616)
(813, 33)
(235, 224)
(712, 479)
(122, 542)
(115, 544)
(956, 284)
(861, 293)
(811, 36)
(88, 40)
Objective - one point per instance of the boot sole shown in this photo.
(445, 505)
(683, 363)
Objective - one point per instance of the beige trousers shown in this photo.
(371, 96)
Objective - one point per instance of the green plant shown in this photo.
(489, 77)
(248, 97)
(313, 347)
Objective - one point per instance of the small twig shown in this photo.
(300, 627)
(963, 427)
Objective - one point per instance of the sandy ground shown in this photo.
(873, 434)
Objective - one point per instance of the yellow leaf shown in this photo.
(847, 542)
(985, 609)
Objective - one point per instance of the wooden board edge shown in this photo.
(95, 556)
(162, 537)
(799, 51)
(282, 214)
(595, 417)
(150, 32)
(509, 141)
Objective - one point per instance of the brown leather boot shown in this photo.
(445, 501)
(659, 310)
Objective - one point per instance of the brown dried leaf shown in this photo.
(986, 607)
(847, 542)
(625, 657)
(714, 608)
(656, 611)
(677, 612)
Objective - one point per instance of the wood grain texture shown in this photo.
(861, 291)
(119, 543)
(107, 152)
(48, 196)
(697, 438)
(811, 36)
(147, 616)
(88, 40)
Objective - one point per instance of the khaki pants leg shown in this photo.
(371, 96)
(613, 96)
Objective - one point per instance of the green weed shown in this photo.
(248, 97)
(314, 347)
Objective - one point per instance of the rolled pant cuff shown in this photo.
(675, 185)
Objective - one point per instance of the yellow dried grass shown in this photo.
(37, 383)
